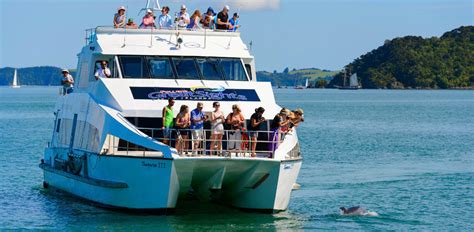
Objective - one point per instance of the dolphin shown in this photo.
(357, 211)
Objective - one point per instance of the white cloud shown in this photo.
(254, 4)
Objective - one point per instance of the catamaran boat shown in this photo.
(107, 143)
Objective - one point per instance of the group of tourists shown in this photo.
(191, 123)
(181, 20)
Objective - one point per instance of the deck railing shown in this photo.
(234, 143)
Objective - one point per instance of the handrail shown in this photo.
(231, 144)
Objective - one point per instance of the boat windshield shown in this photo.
(189, 68)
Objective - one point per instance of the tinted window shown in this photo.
(234, 70)
(160, 68)
(186, 68)
(133, 67)
(210, 68)
(249, 71)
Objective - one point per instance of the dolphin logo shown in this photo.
(218, 89)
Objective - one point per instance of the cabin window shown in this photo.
(210, 68)
(249, 71)
(193, 68)
(133, 67)
(186, 68)
(160, 68)
(234, 70)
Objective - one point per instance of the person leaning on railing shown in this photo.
(234, 22)
(223, 19)
(165, 21)
(131, 24)
(207, 20)
(278, 122)
(148, 20)
(182, 124)
(296, 117)
(182, 18)
(194, 20)
(120, 18)
(236, 122)
(67, 82)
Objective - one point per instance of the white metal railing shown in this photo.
(234, 143)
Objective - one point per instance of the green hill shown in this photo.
(296, 77)
(416, 62)
(45, 75)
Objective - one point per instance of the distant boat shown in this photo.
(353, 83)
(306, 85)
(15, 81)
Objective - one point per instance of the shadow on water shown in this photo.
(190, 214)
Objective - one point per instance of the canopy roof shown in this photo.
(206, 43)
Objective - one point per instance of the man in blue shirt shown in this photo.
(197, 127)
(234, 22)
(164, 21)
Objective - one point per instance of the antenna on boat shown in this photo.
(125, 31)
(153, 5)
(230, 40)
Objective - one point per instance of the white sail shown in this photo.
(15, 80)
(353, 80)
(306, 84)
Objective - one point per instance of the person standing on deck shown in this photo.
(197, 127)
(67, 82)
(148, 21)
(120, 18)
(165, 21)
(167, 117)
(217, 128)
(256, 121)
(234, 22)
(103, 71)
(223, 19)
(182, 19)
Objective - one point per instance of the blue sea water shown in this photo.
(407, 155)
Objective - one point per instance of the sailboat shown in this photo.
(306, 85)
(15, 80)
(353, 83)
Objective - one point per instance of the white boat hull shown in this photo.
(145, 183)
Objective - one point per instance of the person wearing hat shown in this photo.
(276, 130)
(207, 20)
(234, 22)
(120, 18)
(182, 17)
(164, 21)
(131, 24)
(223, 19)
(67, 82)
(148, 20)
(197, 127)
(256, 121)
(296, 117)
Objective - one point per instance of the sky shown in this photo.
(326, 34)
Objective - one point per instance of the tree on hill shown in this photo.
(414, 62)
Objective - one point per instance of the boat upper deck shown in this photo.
(167, 42)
